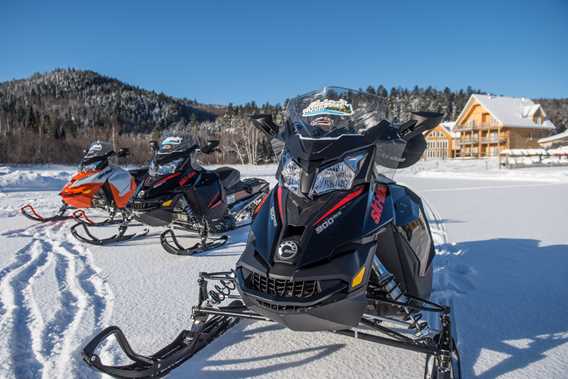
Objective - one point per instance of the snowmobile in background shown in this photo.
(181, 195)
(337, 245)
(97, 184)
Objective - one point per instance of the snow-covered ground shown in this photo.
(502, 262)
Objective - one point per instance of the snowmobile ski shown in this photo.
(31, 213)
(120, 236)
(183, 347)
(174, 247)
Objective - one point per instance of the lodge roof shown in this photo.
(555, 138)
(514, 112)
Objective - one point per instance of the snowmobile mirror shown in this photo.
(413, 151)
(210, 147)
(154, 146)
(123, 152)
(265, 123)
(422, 122)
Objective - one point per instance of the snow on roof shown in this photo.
(449, 126)
(511, 111)
(554, 138)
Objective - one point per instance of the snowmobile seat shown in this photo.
(229, 176)
(138, 173)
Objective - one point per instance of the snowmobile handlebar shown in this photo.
(210, 147)
(419, 123)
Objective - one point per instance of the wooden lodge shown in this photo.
(489, 124)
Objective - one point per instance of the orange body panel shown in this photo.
(121, 201)
(82, 196)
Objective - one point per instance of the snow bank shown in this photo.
(484, 169)
(33, 178)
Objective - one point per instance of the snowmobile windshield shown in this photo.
(334, 111)
(171, 153)
(330, 123)
(96, 155)
(172, 145)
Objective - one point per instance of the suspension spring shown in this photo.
(388, 284)
(221, 291)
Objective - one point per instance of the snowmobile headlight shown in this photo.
(164, 169)
(290, 173)
(338, 176)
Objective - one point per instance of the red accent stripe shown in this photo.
(280, 206)
(215, 201)
(259, 206)
(186, 179)
(350, 196)
(163, 180)
(79, 213)
(378, 203)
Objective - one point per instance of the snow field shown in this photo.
(502, 264)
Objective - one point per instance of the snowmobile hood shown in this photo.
(313, 231)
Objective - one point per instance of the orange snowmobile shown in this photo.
(97, 184)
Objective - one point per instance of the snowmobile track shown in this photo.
(33, 345)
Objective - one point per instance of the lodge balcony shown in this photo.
(484, 140)
(467, 127)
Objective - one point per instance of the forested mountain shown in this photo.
(65, 101)
(51, 117)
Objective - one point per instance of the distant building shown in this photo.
(489, 124)
(555, 141)
(442, 142)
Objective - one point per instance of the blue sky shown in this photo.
(236, 51)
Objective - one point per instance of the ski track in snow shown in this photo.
(35, 347)
(450, 278)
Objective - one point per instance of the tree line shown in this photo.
(52, 117)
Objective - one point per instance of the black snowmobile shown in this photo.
(97, 184)
(337, 246)
(180, 194)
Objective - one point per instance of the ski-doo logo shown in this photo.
(332, 107)
(287, 250)
(378, 203)
(327, 223)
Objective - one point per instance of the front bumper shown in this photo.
(334, 308)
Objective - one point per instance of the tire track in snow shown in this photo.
(50, 348)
